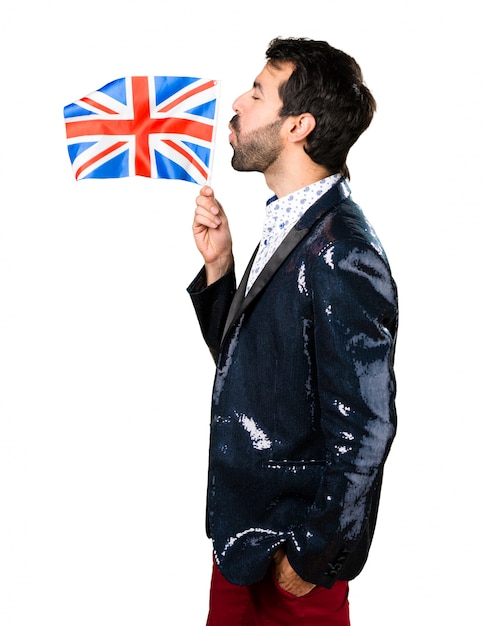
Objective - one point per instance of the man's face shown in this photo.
(256, 127)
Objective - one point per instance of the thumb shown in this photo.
(207, 191)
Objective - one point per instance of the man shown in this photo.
(303, 411)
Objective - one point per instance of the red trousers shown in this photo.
(267, 604)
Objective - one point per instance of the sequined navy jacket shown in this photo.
(303, 409)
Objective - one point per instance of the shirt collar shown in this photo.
(297, 202)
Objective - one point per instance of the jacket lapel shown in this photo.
(237, 306)
(299, 231)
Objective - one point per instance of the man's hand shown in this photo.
(287, 577)
(212, 235)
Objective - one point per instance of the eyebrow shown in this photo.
(258, 86)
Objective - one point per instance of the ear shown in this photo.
(301, 126)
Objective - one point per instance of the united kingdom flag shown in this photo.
(153, 126)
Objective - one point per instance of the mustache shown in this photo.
(235, 123)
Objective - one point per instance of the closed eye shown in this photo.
(257, 91)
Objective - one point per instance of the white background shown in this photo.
(104, 378)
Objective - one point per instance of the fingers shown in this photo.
(287, 578)
(278, 555)
(212, 235)
(206, 190)
(208, 211)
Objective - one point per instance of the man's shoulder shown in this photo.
(344, 228)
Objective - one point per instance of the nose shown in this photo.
(237, 105)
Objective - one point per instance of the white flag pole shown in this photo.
(217, 85)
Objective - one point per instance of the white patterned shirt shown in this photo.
(281, 215)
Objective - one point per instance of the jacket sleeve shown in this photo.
(354, 331)
(212, 304)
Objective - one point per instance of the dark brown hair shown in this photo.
(327, 83)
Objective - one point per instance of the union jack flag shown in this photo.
(154, 126)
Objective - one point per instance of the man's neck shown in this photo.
(285, 180)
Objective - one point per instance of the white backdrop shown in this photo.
(104, 378)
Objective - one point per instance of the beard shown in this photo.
(258, 149)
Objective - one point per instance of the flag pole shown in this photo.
(215, 123)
